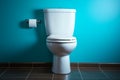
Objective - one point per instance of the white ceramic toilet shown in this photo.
(59, 24)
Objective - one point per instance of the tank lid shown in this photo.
(60, 10)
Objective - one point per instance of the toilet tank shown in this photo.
(59, 21)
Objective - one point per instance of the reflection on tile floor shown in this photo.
(77, 73)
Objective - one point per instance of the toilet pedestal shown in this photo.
(61, 64)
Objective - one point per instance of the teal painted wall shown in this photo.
(97, 30)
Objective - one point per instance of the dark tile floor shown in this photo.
(77, 73)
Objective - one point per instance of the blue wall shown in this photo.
(97, 30)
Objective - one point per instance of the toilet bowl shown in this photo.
(61, 47)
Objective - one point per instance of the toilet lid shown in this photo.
(60, 38)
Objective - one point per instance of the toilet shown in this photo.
(59, 24)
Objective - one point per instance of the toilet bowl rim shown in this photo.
(61, 37)
(61, 41)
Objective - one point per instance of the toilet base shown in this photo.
(61, 64)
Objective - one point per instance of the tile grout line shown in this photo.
(29, 73)
(30, 67)
(5, 70)
(52, 76)
(104, 72)
(79, 71)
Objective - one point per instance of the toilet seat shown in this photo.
(61, 38)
